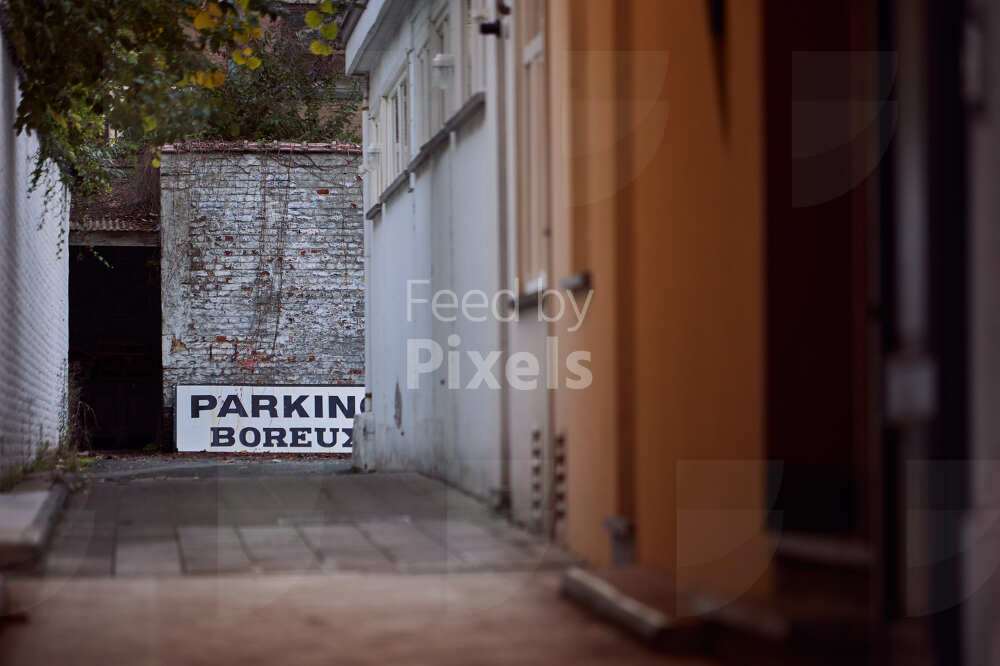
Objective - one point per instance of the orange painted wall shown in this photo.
(669, 207)
(697, 323)
(584, 171)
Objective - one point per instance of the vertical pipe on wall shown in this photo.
(497, 108)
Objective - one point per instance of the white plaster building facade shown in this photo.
(34, 304)
(432, 221)
(456, 195)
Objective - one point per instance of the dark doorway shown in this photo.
(114, 322)
(826, 105)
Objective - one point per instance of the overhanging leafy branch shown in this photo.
(96, 71)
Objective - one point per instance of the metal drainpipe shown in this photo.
(502, 500)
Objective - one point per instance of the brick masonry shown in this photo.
(34, 304)
(262, 269)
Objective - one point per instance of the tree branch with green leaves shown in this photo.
(102, 77)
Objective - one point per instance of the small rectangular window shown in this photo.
(441, 75)
(373, 158)
(532, 147)
(398, 148)
(473, 57)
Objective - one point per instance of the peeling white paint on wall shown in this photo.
(262, 269)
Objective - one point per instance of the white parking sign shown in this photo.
(267, 419)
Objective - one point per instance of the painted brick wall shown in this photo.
(262, 269)
(34, 310)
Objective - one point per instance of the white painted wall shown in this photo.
(443, 230)
(34, 310)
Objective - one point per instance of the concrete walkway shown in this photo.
(249, 564)
(273, 521)
(342, 619)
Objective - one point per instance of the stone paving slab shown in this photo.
(27, 515)
(407, 545)
(146, 532)
(206, 536)
(278, 549)
(85, 529)
(338, 539)
(232, 559)
(345, 548)
(147, 558)
(81, 556)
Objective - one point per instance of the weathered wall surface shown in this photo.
(34, 310)
(262, 268)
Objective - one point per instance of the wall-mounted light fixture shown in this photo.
(442, 70)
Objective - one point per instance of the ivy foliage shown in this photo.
(156, 71)
(290, 96)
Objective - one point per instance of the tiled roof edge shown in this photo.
(148, 224)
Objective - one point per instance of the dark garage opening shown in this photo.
(114, 323)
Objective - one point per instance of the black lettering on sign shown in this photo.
(318, 411)
(199, 403)
(347, 411)
(264, 403)
(350, 438)
(247, 440)
(322, 442)
(274, 437)
(222, 437)
(299, 437)
(295, 406)
(232, 405)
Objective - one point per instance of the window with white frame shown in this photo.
(373, 154)
(421, 94)
(440, 72)
(451, 64)
(399, 131)
(388, 154)
(532, 144)
(473, 54)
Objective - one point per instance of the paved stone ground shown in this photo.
(260, 517)
(341, 619)
(293, 563)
